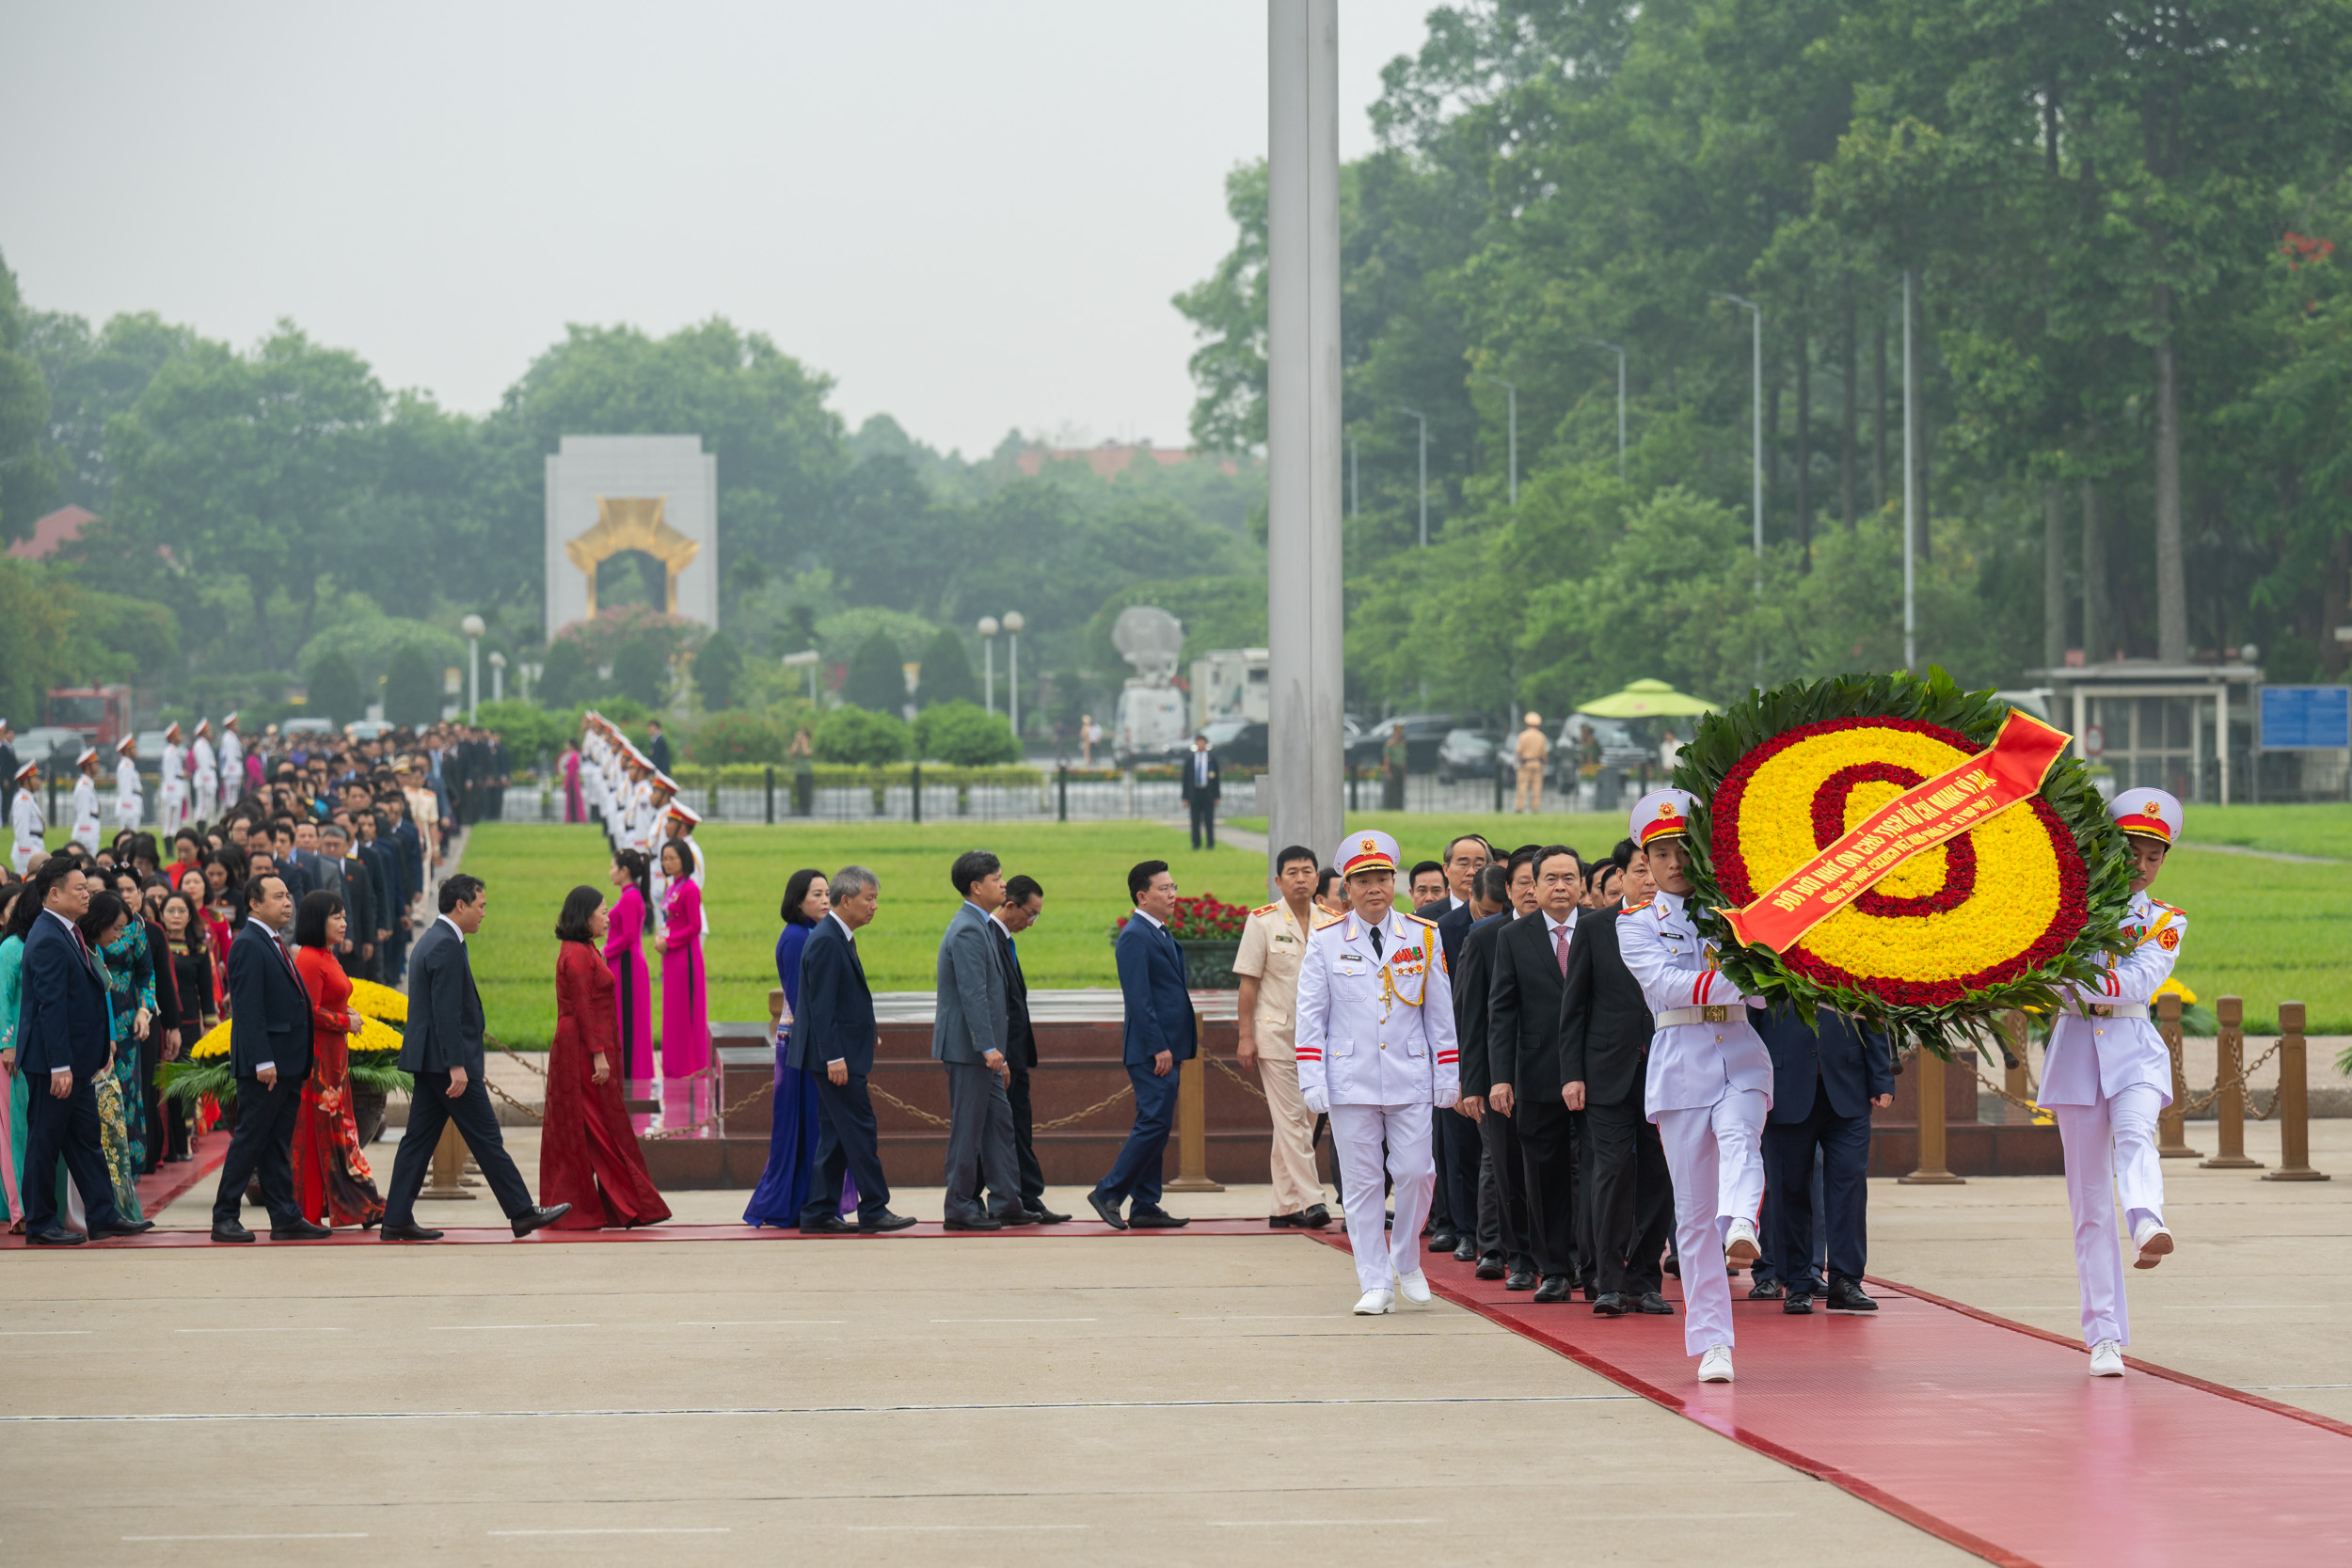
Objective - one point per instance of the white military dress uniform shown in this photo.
(2105, 1076)
(129, 799)
(1377, 1051)
(231, 762)
(172, 795)
(27, 822)
(1709, 1087)
(85, 802)
(204, 770)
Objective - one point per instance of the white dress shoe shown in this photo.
(1415, 1286)
(2153, 1241)
(2106, 1359)
(1715, 1366)
(1740, 1247)
(1371, 1304)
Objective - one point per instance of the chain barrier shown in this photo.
(711, 1120)
(915, 1111)
(2236, 1081)
(1234, 1073)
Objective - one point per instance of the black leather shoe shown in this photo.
(981, 1224)
(1608, 1304)
(409, 1232)
(1519, 1279)
(1846, 1295)
(73, 1238)
(1317, 1216)
(1557, 1287)
(1673, 1266)
(1287, 1222)
(1592, 1292)
(1766, 1289)
(832, 1225)
(229, 1230)
(1021, 1217)
(1046, 1216)
(1156, 1219)
(881, 1221)
(1798, 1305)
(1466, 1250)
(1653, 1303)
(539, 1219)
(128, 1227)
(301, 1230)
(1444, 1240)
(1490, 1267)
(1107, 1210)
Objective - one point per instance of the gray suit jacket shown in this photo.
(970, 1020)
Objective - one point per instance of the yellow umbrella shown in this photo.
(1645, 699)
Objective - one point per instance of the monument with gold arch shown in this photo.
(609, 497)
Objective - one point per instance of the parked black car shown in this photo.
(1240, 745)
(1424, 734)
(1464, 755)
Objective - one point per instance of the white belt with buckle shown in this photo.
(2117, 1009)
(1672, 1016)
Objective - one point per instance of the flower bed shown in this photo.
(374, 1052)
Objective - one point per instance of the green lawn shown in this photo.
(1083, 866)
(2322, 829)
(1422, 835)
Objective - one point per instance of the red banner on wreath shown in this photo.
(1920, 819)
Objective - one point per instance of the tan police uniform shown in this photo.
(1272, 946)
(1533, 751)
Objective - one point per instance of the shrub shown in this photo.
(530, 731)
(412, 688)
(564, 680)
(737, 736)
(717, 668)
(964, 734)
(877, 680)
(947, 675)
(853, 735)
(335, 688)
(639, 671)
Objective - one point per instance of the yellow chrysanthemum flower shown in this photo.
(370, 1000)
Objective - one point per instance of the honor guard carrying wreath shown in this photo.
(1710, 1080)
(1376, 1053)
(2107, 1075)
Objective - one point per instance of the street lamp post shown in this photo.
(988, 658)
(529, 673)
(1620, 354)
(498, 676)
(1013, 623)
(1424, 472)
(473, 628)
(1514, 448)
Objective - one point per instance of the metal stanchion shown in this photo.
(2016, 1080)
(771, 795)
(2295, 1109)
(2228, 1106)
(1933, 1171)
(2172, 1121)
(915, 789)
(445, 1182)
(1062, 793)
(1192, 1119)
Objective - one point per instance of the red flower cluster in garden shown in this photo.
(1201, 919)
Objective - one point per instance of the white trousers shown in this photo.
(173, 801)
(1715, 1154)
(129, 811)
(1292, 1161)
(1357, 1130)
(2110, 1152)
(207, 798)
(21, 853)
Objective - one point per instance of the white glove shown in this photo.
(1318, 1101)
(1446, 1098)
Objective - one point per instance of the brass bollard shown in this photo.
(1192, 1119)
(1933, 1171)
(2172, 1121)
(2295, 1109)
(2014, 1079)
(2228, 1106)
(449, 1159)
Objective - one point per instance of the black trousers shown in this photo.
(1547, 1149)
(1032, 1192)
(1845, 1146)
(1457, 1200)
(66, 1128)
(1632, 1196)
(263, 1145)
(1203, 822)
(848, 1144)
(430, 1109)
(148, 1114)
(1501, 1135)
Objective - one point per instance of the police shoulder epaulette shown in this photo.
(1420, 920)
(1636, 909)
(2174, 908)
(1267, 908)
(1327, 918)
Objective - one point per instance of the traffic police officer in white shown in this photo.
(25, 821)
(2107, 1075)
(85, 800)
(204, 769)
(129, 799)
(172, 795)
(1376, 1051)
(1709, 1082)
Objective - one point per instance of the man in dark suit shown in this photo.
(1200, 790)
(1825, 1079)
(441, 1047)
(1524, 1055)
(832, 1041)
(269, 1055)
(1604, 1043)
(657, 747)
(1024, 900)
(358, 890)
(968, 1022)
(63, 1042)
(1453, 1208)
(1159, 1034)
(1477, 1214)
(1502, 1225)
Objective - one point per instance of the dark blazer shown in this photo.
(1020, 1036)
(61, 1016)
(1191, 791)
(1151, 986)
(1452, 923)
(1604, 1018)
(1523, 1008)
(1471, 977)
(359, 899)
(1851, 1064)
(658, 751)
(836, 1016)
(444, 1028)
(269, 1010)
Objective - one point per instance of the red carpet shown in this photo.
(471, 1235)
(1980, 1430)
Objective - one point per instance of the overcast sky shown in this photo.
(971, 216)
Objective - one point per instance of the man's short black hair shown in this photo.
(1296, 852)
(973, 867)
(1622, 856)
(1140, 878)
(1552, 852)
(460, 888)
(1418, 867)
(1020, 889)
(53, 871)
(1325, 879)
(1525, 855)
(1493, 885)
(253, 885)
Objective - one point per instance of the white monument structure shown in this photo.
(608, 494)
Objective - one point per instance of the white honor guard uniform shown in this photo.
(1709, 1086)
(86, 801)
(204, 770)
(2105, 1076)
(231, 762)
(1375, 1051)
(25, 821)
(129, 799)
(172, 795)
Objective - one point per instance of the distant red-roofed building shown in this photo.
(1110, 459)
(50, 533)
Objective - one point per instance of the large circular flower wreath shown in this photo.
(1993, 920)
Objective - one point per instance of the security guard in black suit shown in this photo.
(1825, 1080)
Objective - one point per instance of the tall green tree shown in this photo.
(947, 675)
(334, 689)
(876, 680)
